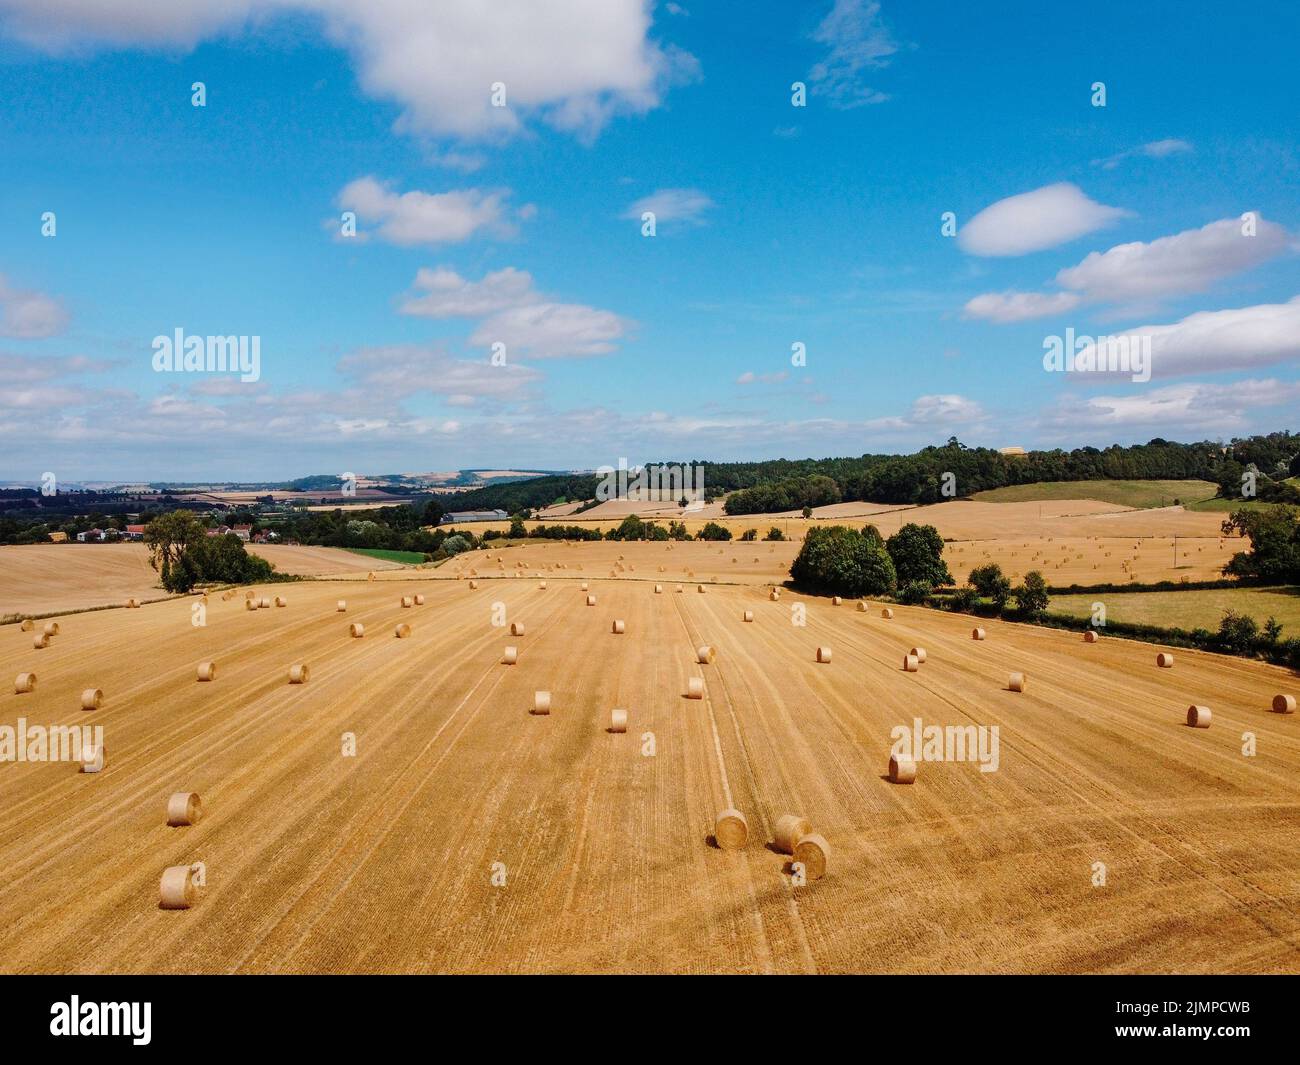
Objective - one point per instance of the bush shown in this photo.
(1031, 597)
(774, 534)
(714, 531)
(964, 599)
(991, 584)
(913, 593)
(842, 561)
(1238, 633)
(749, 535)
(454, 545)
(917, 553)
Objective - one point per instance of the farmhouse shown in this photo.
(475, 515)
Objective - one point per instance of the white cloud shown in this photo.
(415, 217)
(397, 372)
(1220, 341)
(514, 313)
(672, 205)
(552, 331)
(1032, 221)
(933, 414)
(858, 42)
(29, 315)
(571, 63)
(1151, 150)
(749, 377)
(1005, 307)
(445, 294)
(1183, 409)
(1184, 263)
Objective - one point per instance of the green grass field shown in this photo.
(408, 558)
(1226, 506)
(1140, 494)
(1195, 609)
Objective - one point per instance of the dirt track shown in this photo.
(383, 862)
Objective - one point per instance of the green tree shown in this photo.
(991, 584)
(749, 534)
(1274, 535)
(1031, 596)
(774, 534)
(713, 531)
(917, 553)
(172, 540)
(842, 561)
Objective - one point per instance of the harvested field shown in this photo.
(47, 578)
(604, 849)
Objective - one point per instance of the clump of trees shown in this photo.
(184, 555)
(1274, 534)
(917, 553)
(843, 561)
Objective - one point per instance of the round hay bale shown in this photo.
(40, 640)
(591, 600)
(402, 631)
(177, 890)
(342, 606)
(264, 603)
(700, 588)
(541, 702)
(659, 589)
(91, 698)
(542, 585)
(27, 625)
(618, 720)
(862, 607)
(583, 586)
(748, 615)
(298, 673)
(977, 633)
(1016, 682)
(249, 594)
(704, 654)
(812, 852)
(207, 671)
(823, 654)
(919, 652)
(133, 604)
(419, 600)
(902, 770)
(836, 600)
(1165, 660)
(370, 576)
(695, 688)
(250, 604)
(790, 829)
(1090, 636)
(516, 628)
(1282, 704)
(911, 663)
(731, 830)
(679, 588)
(774, 595)
(51, 628)
(1198, 716)
(473, 585)
(92, 758)
(407, 601)
(887, 613)
(510, 657)
(280, 601)
(356, 630)
(26, 682)
(617, 628)
(184, 808)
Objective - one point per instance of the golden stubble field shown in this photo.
(385, 862)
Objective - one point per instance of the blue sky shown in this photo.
(775, 224)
